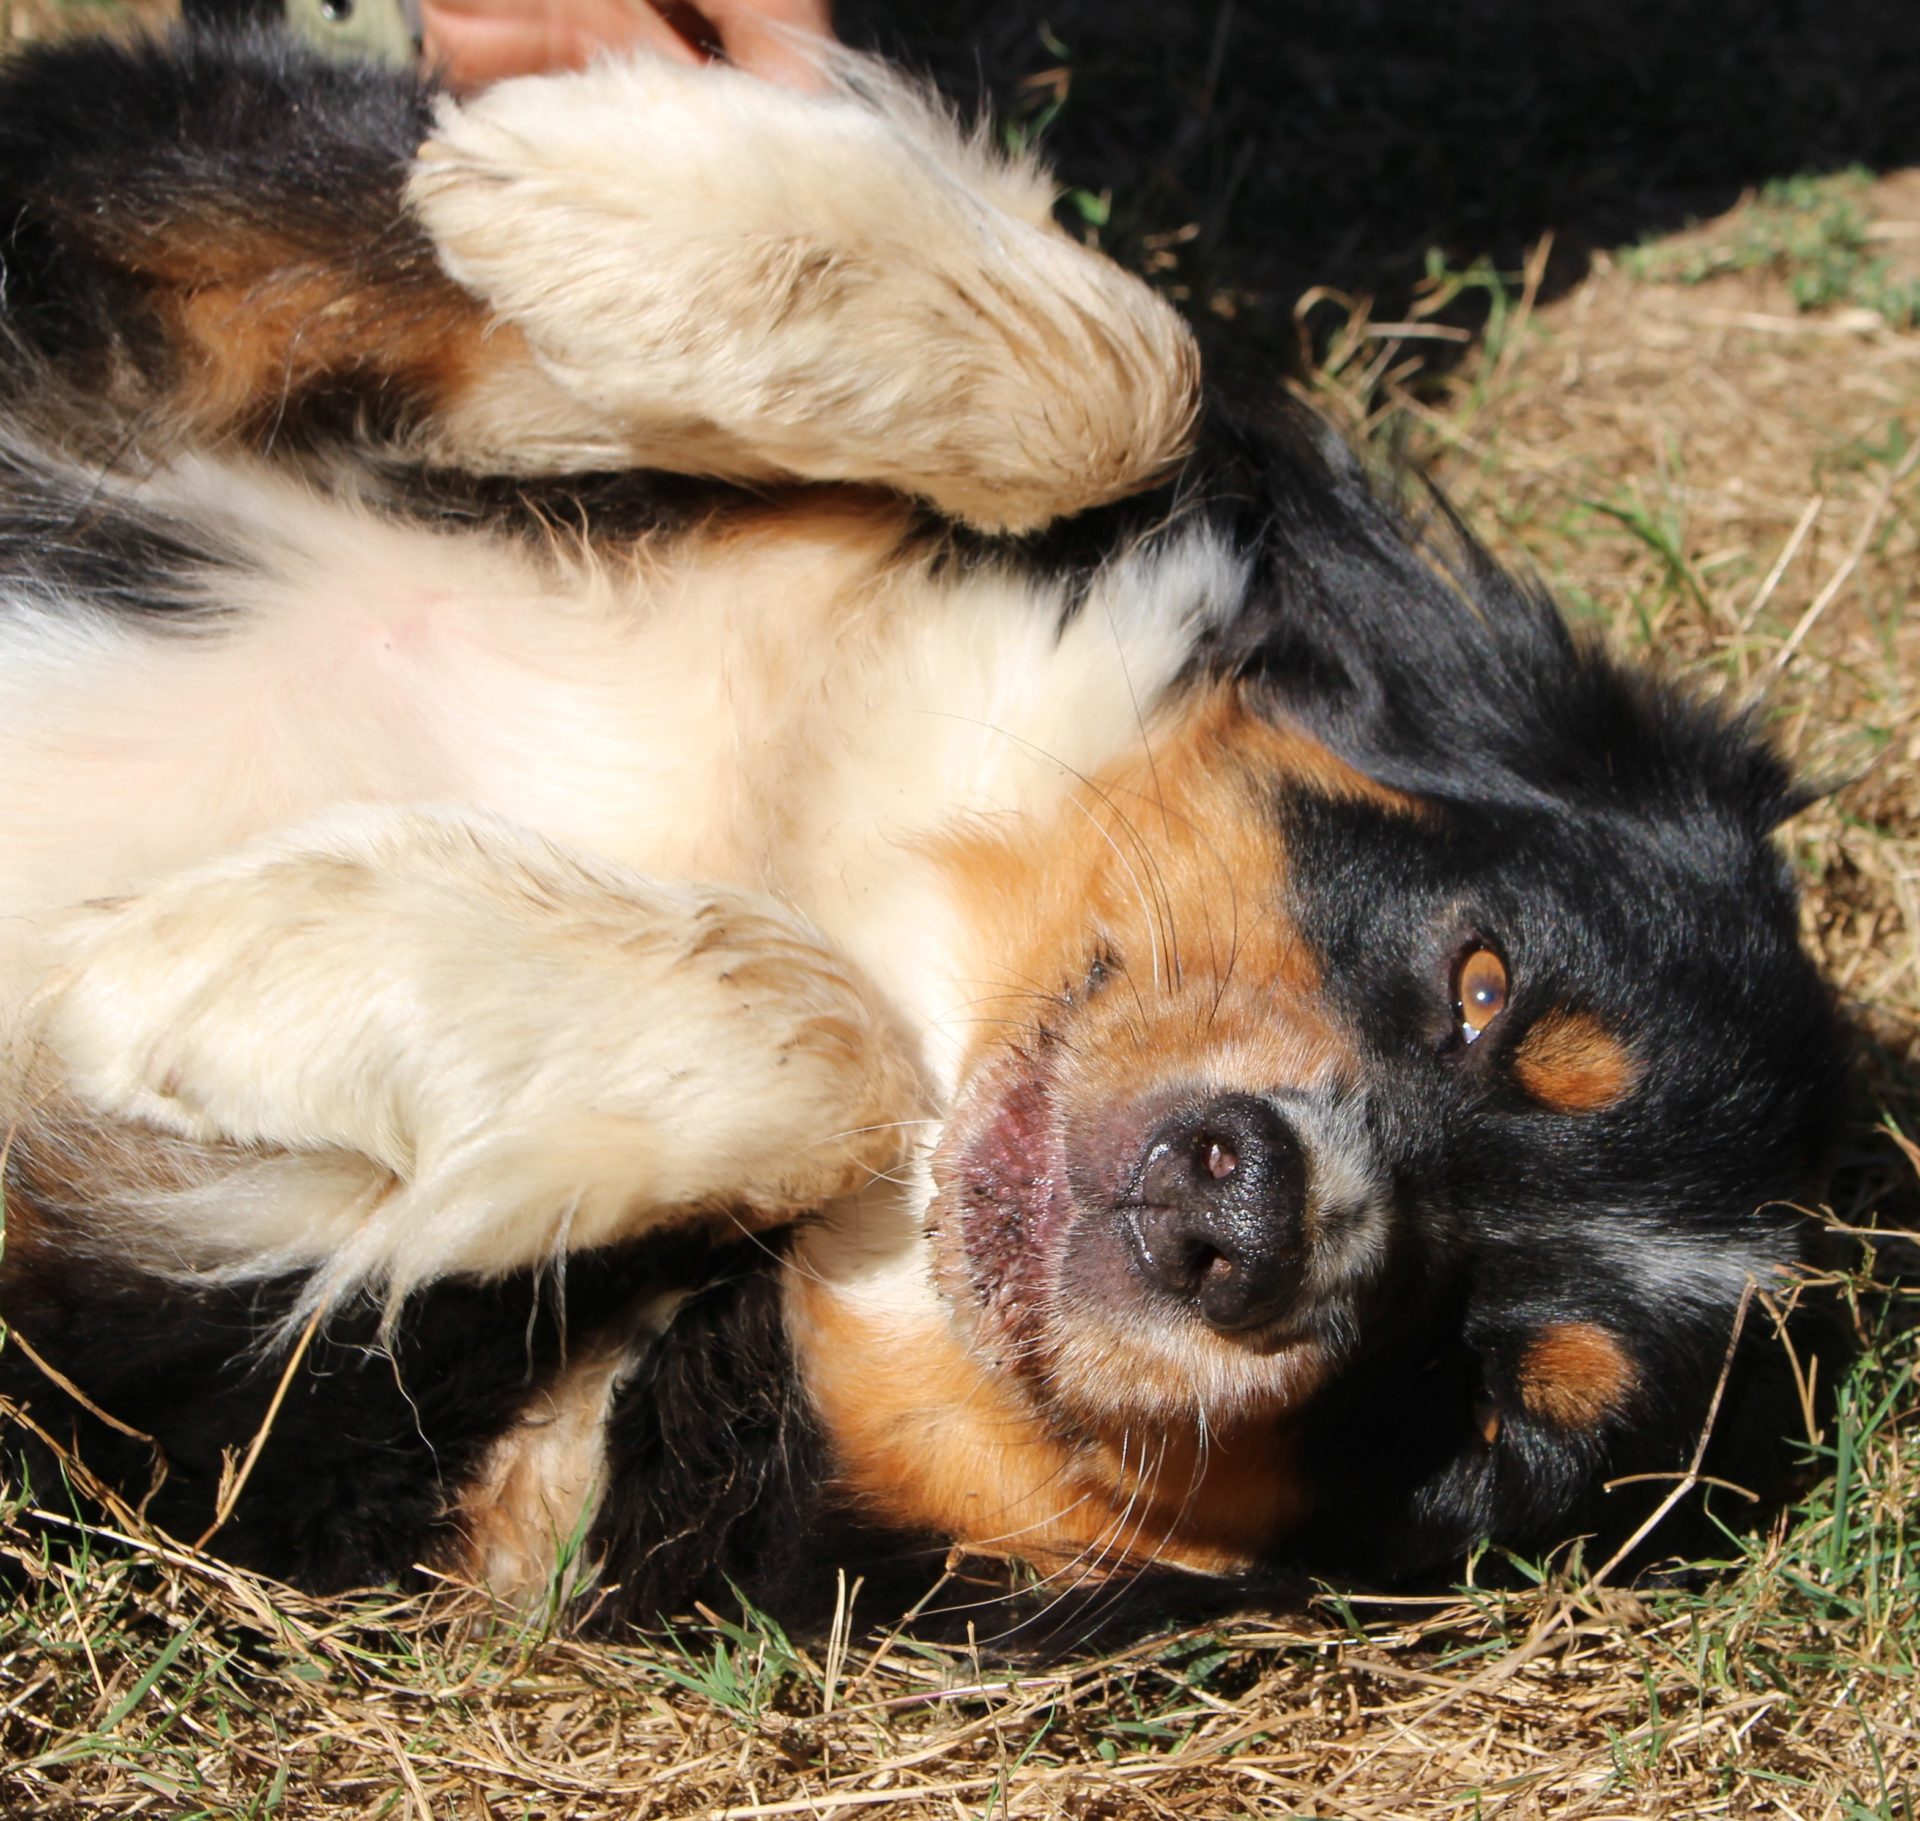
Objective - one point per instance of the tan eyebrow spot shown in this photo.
(1572, 1063)
(1573, 1374)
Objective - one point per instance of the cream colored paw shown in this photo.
(720, 276)
(540, 1052)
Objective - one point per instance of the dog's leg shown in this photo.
(720, 276)
(645, 265)
(204, 237)
(517, 1049)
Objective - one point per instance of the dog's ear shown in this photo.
(1587, 1418)
(1397, 641)
(1547, 1417)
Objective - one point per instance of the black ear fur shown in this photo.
(1405, 648)
(1426, 1451)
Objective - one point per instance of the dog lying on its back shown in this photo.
(665, 797)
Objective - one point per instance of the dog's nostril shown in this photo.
(1192, 1262)
(1182, 1167)
(1217, 1208)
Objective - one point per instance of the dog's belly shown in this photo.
(790, 705)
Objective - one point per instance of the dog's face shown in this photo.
(1154, 1208)
(1391, 1082)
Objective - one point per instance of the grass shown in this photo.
(1814, 231)
(1787, 1681)
(1707, 445)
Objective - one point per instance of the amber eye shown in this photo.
(1479, 991)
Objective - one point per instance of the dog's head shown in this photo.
(1407, 1064)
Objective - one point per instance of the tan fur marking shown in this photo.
(1290, 754)
(256, 340)
(1574, 1374)
(1176, 858)
(927, 1437)
(536, 1488)
(258, 317)
(1572, 1063)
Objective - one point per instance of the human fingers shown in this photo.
(772, 38)
(475, 42)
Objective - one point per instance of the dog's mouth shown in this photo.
(1003, 1203)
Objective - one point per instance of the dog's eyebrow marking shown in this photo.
(1572, 1063)
(1574, 1373)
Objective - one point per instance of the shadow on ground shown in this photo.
(1333, 142)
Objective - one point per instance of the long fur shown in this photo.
(659, 770)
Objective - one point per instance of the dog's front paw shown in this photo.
(536, 1050)
(724, 277)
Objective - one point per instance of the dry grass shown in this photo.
(151, 1680)
(1731, 484)
(1717, 477)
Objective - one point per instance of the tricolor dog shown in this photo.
(681, 831)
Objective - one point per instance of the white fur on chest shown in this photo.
(793, 712)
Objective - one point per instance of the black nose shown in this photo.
(1217, 1211)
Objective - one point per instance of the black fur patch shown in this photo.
(717, 1469)
(71, 546)
(613, 511)
(723, 1481)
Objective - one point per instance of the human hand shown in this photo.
(479, 41)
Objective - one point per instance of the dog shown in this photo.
(704, 883)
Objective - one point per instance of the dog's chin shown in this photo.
(1041, 1289)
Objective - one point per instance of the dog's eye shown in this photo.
(1479, 991)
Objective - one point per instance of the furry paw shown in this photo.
(724, 277)
(537, 1052)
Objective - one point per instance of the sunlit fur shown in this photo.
(765, 1030)
(805, 322)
